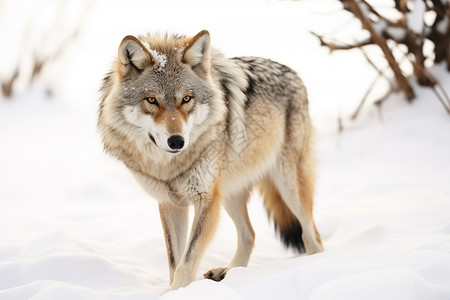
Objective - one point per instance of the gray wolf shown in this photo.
(196, 128)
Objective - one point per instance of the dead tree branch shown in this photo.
(404, 30)
(7, 85)
(381, 42)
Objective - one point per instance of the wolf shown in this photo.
(197, 128)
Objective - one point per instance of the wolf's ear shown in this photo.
(133, 56)
(197, 53)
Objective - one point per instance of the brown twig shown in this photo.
(364, 98)
(380, 72)
(399, 23)
(40, 63)
(341, 46)
(380, 101)
(7, 86)
(444, 98)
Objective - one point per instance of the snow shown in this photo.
(160, 58)
(415, 17)
(397, 33)
(380, 26)
(443, 25)
(75, 225)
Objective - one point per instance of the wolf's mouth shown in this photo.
(152, 138)
(169, 151)
(174, 152)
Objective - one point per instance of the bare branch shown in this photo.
(7, 86)
(364, 98)
(384, 97)
(341, 46)
(381, 74)
(371, 19)
(399, 23)
(402, 81)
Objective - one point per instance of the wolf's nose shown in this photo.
(175, 142)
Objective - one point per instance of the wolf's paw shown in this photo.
(216, 274)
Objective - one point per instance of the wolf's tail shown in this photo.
(286, 224)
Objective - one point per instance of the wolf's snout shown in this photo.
(175, 142)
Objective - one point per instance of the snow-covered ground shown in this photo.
(75, 225)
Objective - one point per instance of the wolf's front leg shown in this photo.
(236, 207)
(174, 220)
(207, 210)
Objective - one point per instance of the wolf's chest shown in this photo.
(181, 190)
(178, 182)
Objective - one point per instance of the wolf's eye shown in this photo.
(186, 99)
(151, 100)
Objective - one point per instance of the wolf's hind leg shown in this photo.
(236, 207)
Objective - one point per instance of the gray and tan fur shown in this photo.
(197, 128)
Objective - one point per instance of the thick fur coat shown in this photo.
(197, 128)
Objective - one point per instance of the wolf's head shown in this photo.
(163, 88)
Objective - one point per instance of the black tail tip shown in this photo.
(291, 236)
